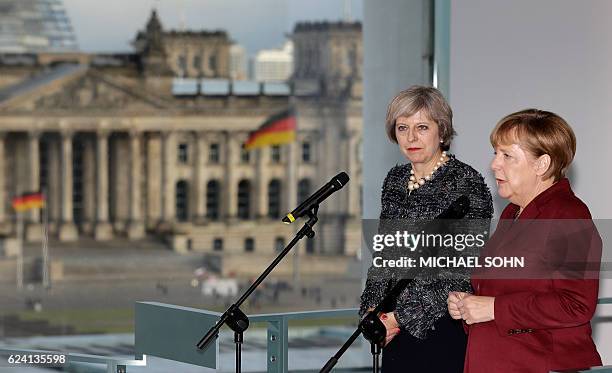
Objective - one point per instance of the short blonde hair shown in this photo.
(539, 132)
(431, 101)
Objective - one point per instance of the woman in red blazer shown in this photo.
(534, 321)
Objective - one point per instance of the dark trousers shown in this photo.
(442, 352)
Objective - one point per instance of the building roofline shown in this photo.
(327, 26)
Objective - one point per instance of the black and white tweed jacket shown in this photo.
(423, 301)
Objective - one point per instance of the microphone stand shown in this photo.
(233, 317)
(372, 328)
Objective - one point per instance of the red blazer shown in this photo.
(540, 324)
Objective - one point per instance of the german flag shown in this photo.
(28, 201)
(276, 130)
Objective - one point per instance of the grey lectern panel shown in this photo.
(172, 332)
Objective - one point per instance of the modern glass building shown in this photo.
(28, 26)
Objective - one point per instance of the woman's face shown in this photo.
(515, 174)
(418, 137)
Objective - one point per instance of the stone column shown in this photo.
(34, 228)
(169, 177)
(230, 184)
(136, 226)
(333, 144)
(54, 192)
(200, 176)
(261, 188)
(103, 230)
(290, 182)
(119, 183)
(67, 231)
(34, 169)
(154, 175)
(290, 186)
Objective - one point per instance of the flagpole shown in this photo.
(280, 129)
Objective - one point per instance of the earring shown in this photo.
(441, 141)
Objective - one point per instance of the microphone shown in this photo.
(336, 183)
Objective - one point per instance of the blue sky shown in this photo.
(110, 25)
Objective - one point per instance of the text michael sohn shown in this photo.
(451, 262)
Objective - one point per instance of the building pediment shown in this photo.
(83, 89)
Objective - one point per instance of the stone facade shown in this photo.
(328, 58)
(188, 54)
(119, 155)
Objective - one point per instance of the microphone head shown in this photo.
(341, 179)
(288, 219)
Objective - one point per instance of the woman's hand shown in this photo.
(474, 309)
(388, 319)
(453, 298)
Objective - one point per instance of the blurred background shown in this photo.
(124, 123)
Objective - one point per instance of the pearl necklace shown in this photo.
(413, 184)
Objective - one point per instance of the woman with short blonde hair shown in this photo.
(544, 320)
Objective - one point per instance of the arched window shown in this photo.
(274, 198)
(249, 245)
(182, 200)
(303, 190)
(213, 199)
(218, 244)
(244, 199)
